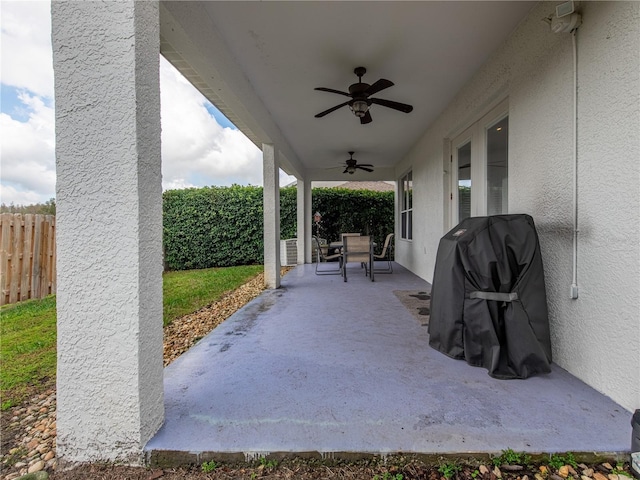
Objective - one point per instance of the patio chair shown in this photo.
(384, 255)
(322, 258)
(357, 249)
(342, 235)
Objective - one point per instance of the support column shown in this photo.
(303, 204)
(271, 192)
(109, 229)
(308, 221)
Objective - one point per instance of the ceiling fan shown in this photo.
(352, 164)
(360, 94)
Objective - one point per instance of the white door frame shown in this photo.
(476, 133)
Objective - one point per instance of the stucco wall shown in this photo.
(597, 336)
(109, 219)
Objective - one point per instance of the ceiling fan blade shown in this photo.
(365, 168)
(346, 170)
(365, 165)
(322, 114)
(366, 119)
(378, 86)
(331, 90)
(403, 107)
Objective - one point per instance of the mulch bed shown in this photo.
(377, 469)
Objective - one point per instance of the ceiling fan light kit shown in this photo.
(359, 108)
(360, 94)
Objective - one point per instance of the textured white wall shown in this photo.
(109, 220)
(597, 337)
(600, 336)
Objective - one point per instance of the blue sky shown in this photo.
(11, 104)
(217, 114)
(218, 153)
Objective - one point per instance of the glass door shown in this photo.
(479, 167)
(464, 181)
(464, 185)
(498, 167)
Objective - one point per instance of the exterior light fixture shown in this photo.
(359, 108)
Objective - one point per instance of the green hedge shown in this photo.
(222, 226)
(343, 210)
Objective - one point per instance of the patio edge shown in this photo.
(175, 458)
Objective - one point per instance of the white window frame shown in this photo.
(477, 134)
(405, 205)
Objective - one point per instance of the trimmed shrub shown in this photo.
(223, 226)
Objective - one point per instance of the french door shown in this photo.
(479, 166)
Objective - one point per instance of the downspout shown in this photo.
(574, 283)
(566, 20)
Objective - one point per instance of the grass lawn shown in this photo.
(28, 329)
(27, 348)
(189, 290)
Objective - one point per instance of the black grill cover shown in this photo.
(508, 336)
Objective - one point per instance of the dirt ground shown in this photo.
(377, 469)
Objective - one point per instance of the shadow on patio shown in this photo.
(326, 367)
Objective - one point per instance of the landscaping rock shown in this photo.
(36, 467)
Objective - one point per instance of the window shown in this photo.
(406, 207)
(479, 166)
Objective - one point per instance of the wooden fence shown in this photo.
(27, 256)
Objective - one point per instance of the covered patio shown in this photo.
(325, 368)
(320, 365)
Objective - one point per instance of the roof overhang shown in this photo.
(259, 62)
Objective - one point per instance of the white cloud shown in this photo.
(26, 46)
(11, 195)
(196, 150)
(28, 155)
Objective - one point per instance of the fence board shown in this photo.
(36, 264)
(5, 252)
(27, 257)
(16, 259)
(54, 269)
(51, 263)
(44, 277)
(25, 279)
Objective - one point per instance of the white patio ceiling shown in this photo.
(259, 63)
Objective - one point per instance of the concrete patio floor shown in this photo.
(331, 368)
